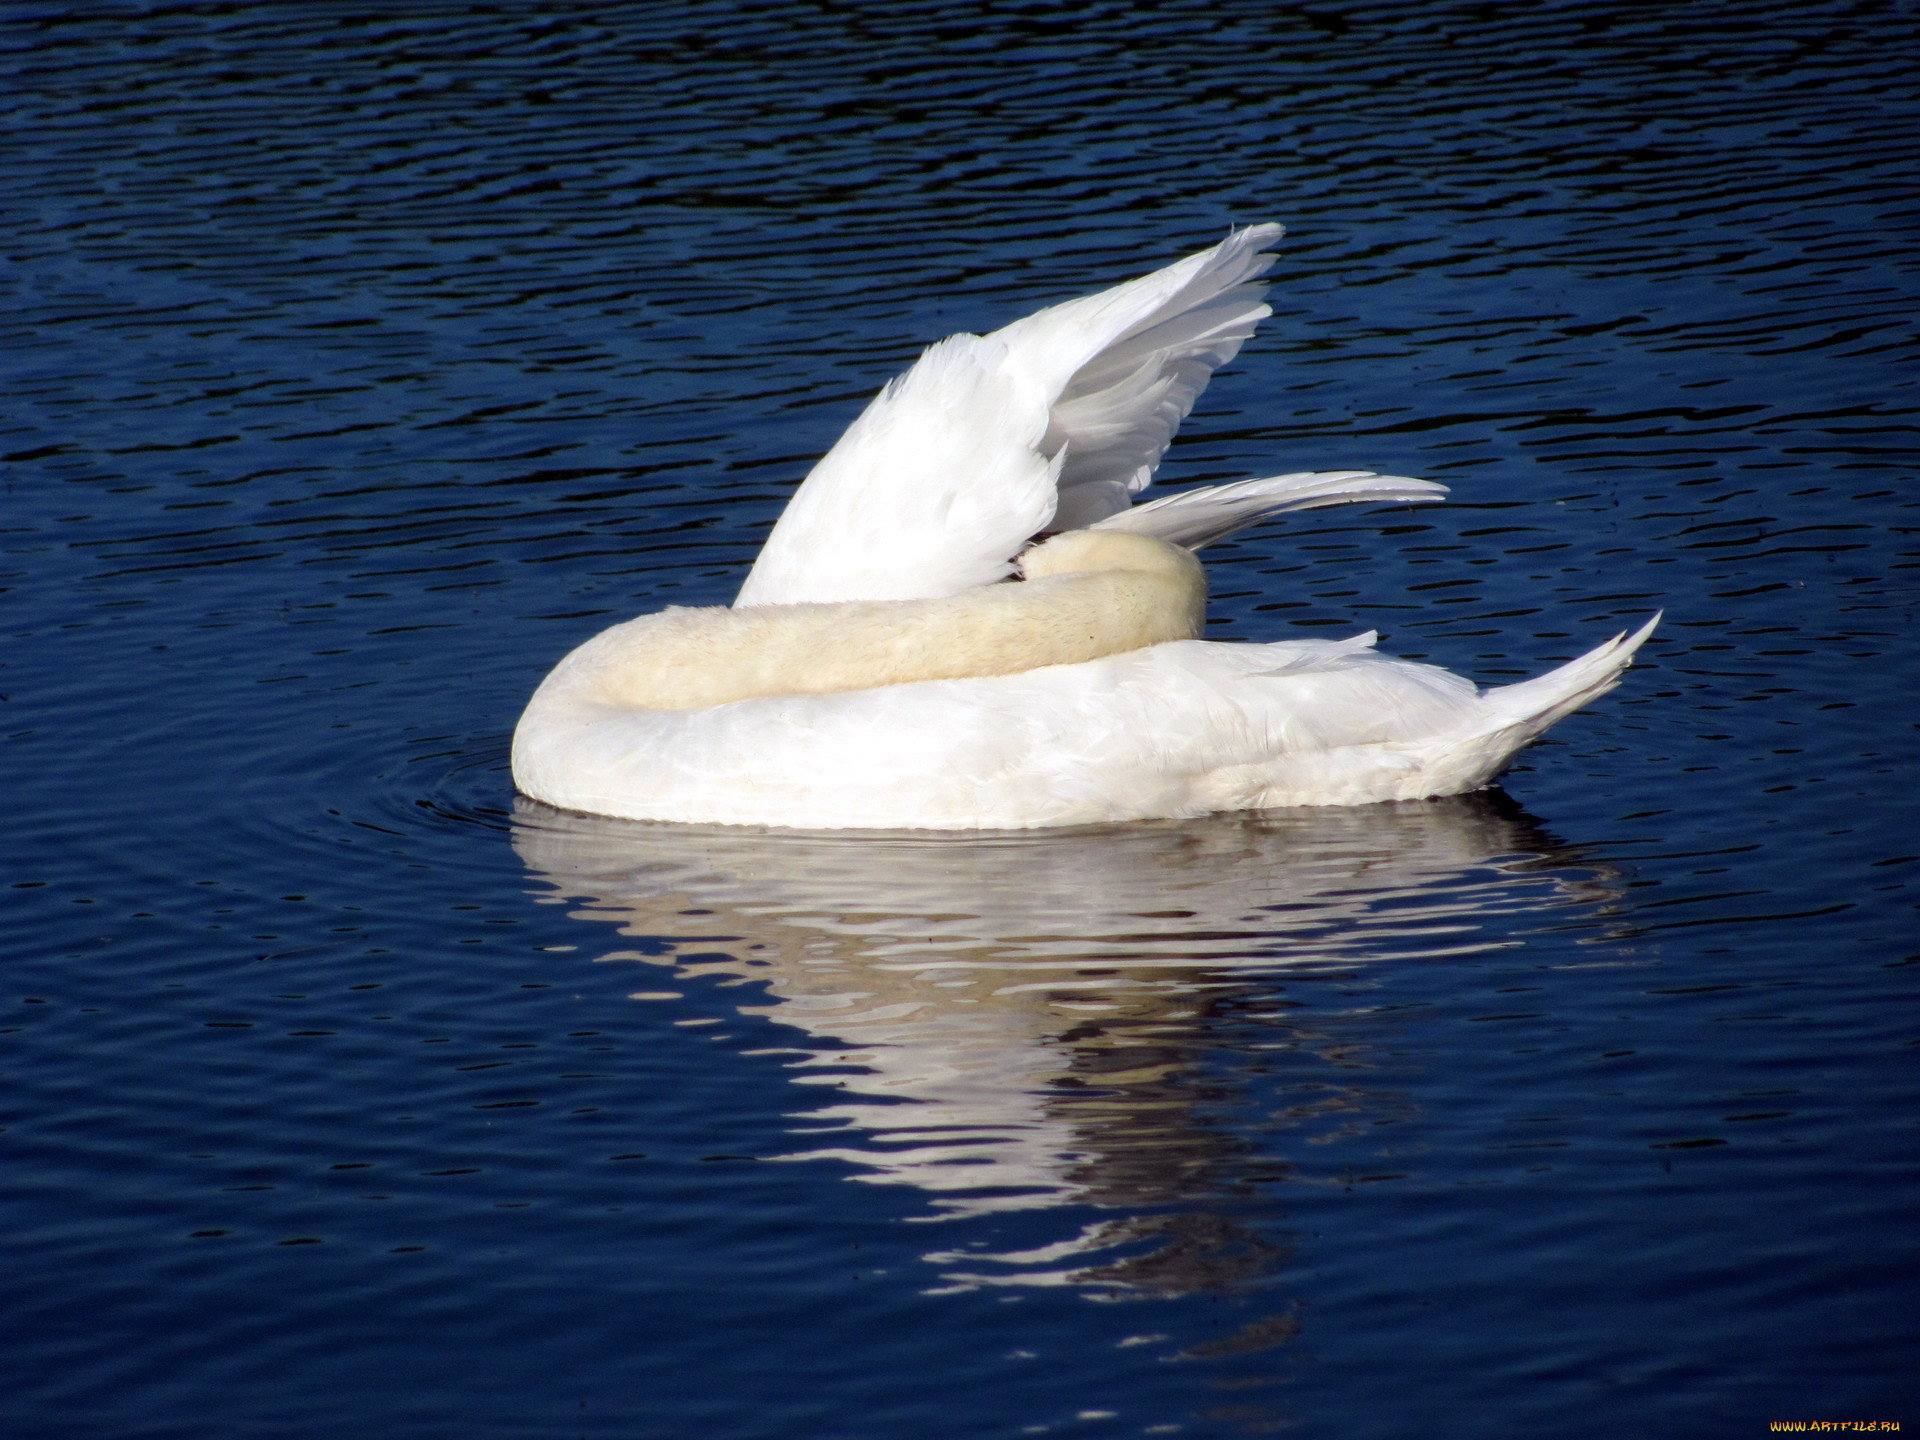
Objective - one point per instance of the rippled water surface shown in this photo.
(361, 360)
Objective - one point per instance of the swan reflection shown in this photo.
(1040, 1018)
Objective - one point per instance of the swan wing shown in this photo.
(930, 492)
(1053, 422)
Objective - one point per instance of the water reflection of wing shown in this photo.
(1041, 995)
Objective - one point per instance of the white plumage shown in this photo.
(1052, 423)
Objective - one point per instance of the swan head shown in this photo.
(1145, 590)
(1077, 551)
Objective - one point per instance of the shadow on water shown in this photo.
(1039, 1019)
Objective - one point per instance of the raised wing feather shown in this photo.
(1124, 367)
(1199, 517)
(1055, 421)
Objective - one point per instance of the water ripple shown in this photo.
(361, 361)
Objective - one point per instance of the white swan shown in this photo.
(874, 672)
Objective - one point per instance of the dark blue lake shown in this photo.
(360, 361)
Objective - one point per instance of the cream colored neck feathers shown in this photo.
(1087, 594)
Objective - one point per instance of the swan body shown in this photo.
(873, 672)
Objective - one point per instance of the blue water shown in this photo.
(359, 362)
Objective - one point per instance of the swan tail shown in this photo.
(1529, 707)
(1199, 517)
(1513, 716)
